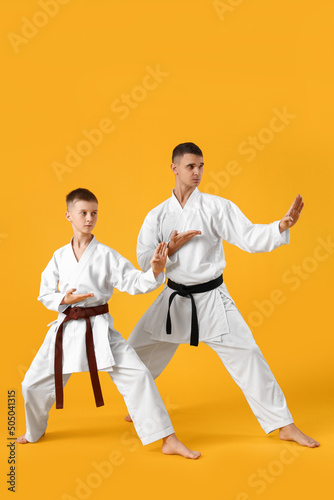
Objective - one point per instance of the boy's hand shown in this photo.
(159, 259)
(70, 298)
(177, 240)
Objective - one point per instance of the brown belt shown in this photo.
(76, 313)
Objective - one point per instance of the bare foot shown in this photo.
(172, 446)
(22, 439)
(292, 433)
(128, 418)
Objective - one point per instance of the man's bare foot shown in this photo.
(128, 418)
(292, 433)
(172, 446)
(22, 439)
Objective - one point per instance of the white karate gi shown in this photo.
(221, 325)
(99, 271)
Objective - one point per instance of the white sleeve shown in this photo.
(126, 278)
(49, 294)
(240, 231)
(146, 244)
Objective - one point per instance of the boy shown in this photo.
(82, 338)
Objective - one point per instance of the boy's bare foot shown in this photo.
(172, 446)
(128, 418)
(292, 433)
(22, 439)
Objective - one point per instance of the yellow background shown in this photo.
(225, 70)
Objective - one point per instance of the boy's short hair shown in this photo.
(80, 194)
(186, 148)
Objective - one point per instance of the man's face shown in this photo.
(82, 215)
(188, 170)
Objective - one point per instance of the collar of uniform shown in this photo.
(92, 243)
(189, 203)
(88, 251)
(78, 267)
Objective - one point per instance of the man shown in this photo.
(195, 305)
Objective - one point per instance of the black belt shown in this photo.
(187, 291)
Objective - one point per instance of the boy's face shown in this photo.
(188, 170)
(82, 215)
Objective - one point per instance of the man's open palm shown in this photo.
(177, 240)
(292, 215)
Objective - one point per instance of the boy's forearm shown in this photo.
(53, 301)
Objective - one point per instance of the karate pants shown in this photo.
(132, 378)
(241, 357)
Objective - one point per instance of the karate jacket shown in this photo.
(200, 260)
(99, 270)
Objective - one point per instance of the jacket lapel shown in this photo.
(78, 267)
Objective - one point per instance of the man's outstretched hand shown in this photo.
(292, 215)
(158, 261)
(177, 240)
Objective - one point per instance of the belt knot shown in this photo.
(183, 291)
(187, 291)
(77, 312)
